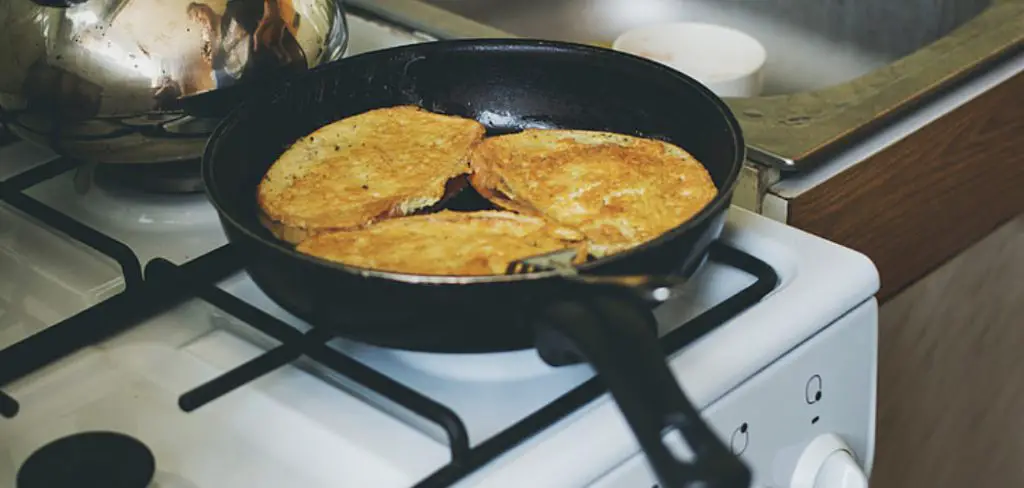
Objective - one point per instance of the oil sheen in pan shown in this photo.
(498, 123)
(508, 122)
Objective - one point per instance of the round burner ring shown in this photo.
(102, 459)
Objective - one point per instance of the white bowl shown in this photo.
(726, 60)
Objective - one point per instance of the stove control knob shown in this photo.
(828, 462)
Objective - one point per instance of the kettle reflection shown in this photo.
(140, 81)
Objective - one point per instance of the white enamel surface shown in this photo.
(286, 429)
(19, 157)
(177, 227)
(45, 277)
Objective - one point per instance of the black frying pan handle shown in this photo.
(614, 332)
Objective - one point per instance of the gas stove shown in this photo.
(133, 343)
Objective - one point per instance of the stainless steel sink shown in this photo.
(836, 68)
(811, 44)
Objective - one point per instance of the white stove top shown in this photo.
(291, 428)
(304, 426)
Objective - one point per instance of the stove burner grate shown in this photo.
(463, 459)
(56, 342)
(167, 284)
(12, 192)
(101, 459)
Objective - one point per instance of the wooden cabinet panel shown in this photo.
(921, 201)
(951, 373)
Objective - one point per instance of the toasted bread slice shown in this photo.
(445, 243)
(619, 190)
(383, 163)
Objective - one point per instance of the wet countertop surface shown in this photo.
(802, 126)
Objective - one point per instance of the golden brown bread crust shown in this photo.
(619, 190)
(384, 163)
(445, 243)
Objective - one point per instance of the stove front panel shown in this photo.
(824, 386)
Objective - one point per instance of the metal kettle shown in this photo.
(146, 81)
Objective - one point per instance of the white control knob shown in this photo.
(828, 462)
(840, 471)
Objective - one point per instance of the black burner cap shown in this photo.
(89, 459)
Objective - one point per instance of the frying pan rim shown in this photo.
(722, 197)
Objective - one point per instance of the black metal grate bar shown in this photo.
(455, 430)
(249, 371)
(766, 281)
(8, 406)
(12, 192)
(101, 321)
(447, 419)
(295, 343)
(117, 250)
(34, 176)
(87, 327)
